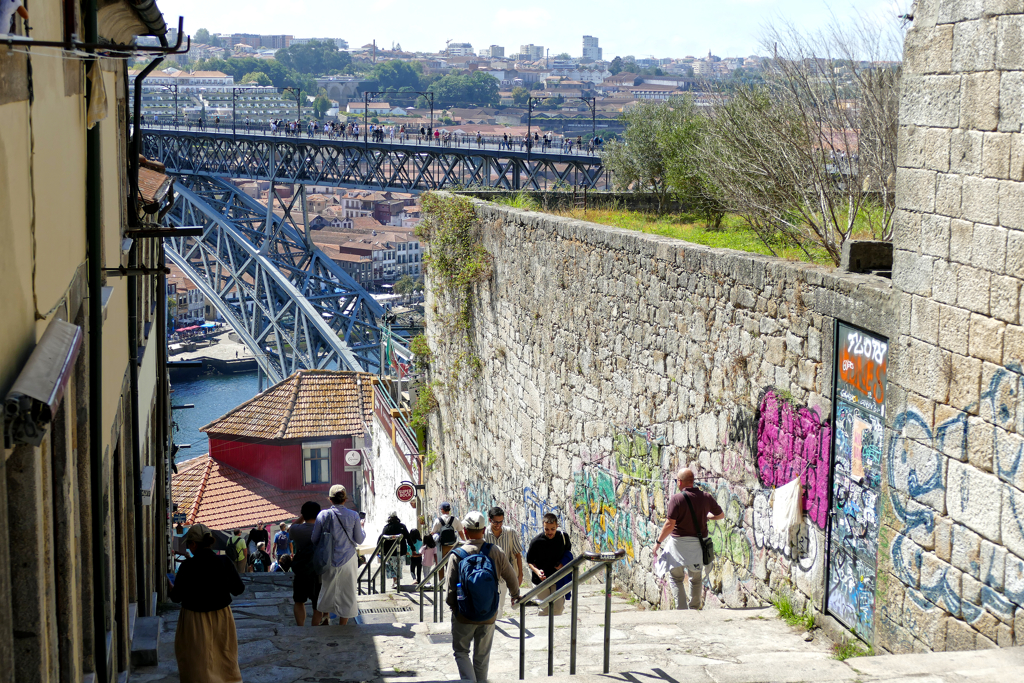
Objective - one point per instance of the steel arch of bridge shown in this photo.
(349, 163)
(290, 304)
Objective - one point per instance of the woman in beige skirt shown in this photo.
(205, 642)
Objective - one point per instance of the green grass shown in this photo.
(519, 200)
(734, 233)
(849, 649)
(784, 606)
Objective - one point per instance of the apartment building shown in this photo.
(82, 360)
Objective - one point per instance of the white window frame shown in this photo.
(307, 461)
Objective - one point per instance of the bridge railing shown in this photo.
(403, 437)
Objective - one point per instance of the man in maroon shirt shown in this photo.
(685, 554)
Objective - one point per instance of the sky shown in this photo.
(664, 28)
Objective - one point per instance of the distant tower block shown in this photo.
(591, 52)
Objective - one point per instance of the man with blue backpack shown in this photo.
(473, 597)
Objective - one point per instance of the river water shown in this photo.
(213, 395)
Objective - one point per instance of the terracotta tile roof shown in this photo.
(309, 404)
(221, 497)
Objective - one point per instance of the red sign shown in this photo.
(405, 492)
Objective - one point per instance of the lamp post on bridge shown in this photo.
(234, 90)
(175, 89)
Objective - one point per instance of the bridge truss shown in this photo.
(350, 163)
(289, 303)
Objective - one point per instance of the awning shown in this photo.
(186, 329)
(209, 325)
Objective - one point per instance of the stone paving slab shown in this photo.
(711, 646)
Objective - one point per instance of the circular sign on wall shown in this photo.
(353, 458)
(405, 492)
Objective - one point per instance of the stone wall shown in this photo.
(952, 559)
(612, 358)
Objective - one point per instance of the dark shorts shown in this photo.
(306, 587)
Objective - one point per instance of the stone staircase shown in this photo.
(712, 646)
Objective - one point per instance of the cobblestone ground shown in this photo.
(712, 646)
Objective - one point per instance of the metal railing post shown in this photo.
(522, 640)
(575, 612)
(607, 615)
(421, 603)
(551, 637)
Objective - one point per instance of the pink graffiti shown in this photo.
(794, 442)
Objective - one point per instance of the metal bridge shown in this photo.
(289, 303)
(406, 166)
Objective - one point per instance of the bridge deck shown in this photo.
(409, 166)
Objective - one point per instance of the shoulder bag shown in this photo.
(707, 546)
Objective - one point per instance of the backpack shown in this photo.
(447, 536)
(479, 584)
(257, 564)
(237, 549)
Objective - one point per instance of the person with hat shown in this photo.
(448, 530)
(205, 641)
(338, 584)
(479, 632)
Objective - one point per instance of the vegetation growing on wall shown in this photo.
(457, 262)
(425, 404)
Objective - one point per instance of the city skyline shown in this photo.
(728, 27)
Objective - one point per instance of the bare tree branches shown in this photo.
(809, 155)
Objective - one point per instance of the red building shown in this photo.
(270, 453)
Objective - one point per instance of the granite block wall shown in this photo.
(951, 559)
(612, 358)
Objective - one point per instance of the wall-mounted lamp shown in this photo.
(33, 400)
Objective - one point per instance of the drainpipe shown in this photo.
(142, 596)
(136, 144)
(94, 227)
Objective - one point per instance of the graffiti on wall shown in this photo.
(794, 442)
(799, 544)
(619, 498)
(861, 362)
(916, 476)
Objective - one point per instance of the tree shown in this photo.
(256, 78)
(203, 36)
(616, 66)
(659, 153)
(320, 106)
(395, 74)
(563, 55)
(520, 95)
(405, 285)
(783, 151)
(631, 67)
(314, 57)
(456, 90)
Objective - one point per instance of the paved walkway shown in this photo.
(224, 348)
(712, 646)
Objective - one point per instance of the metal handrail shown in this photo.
(384, 560)
(438, 607)
(365, 569)
(606, 560)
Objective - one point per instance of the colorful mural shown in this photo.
(861, 363)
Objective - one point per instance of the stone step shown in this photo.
(146, 641)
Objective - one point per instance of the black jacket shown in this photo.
(206, 582)
(394, 529)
